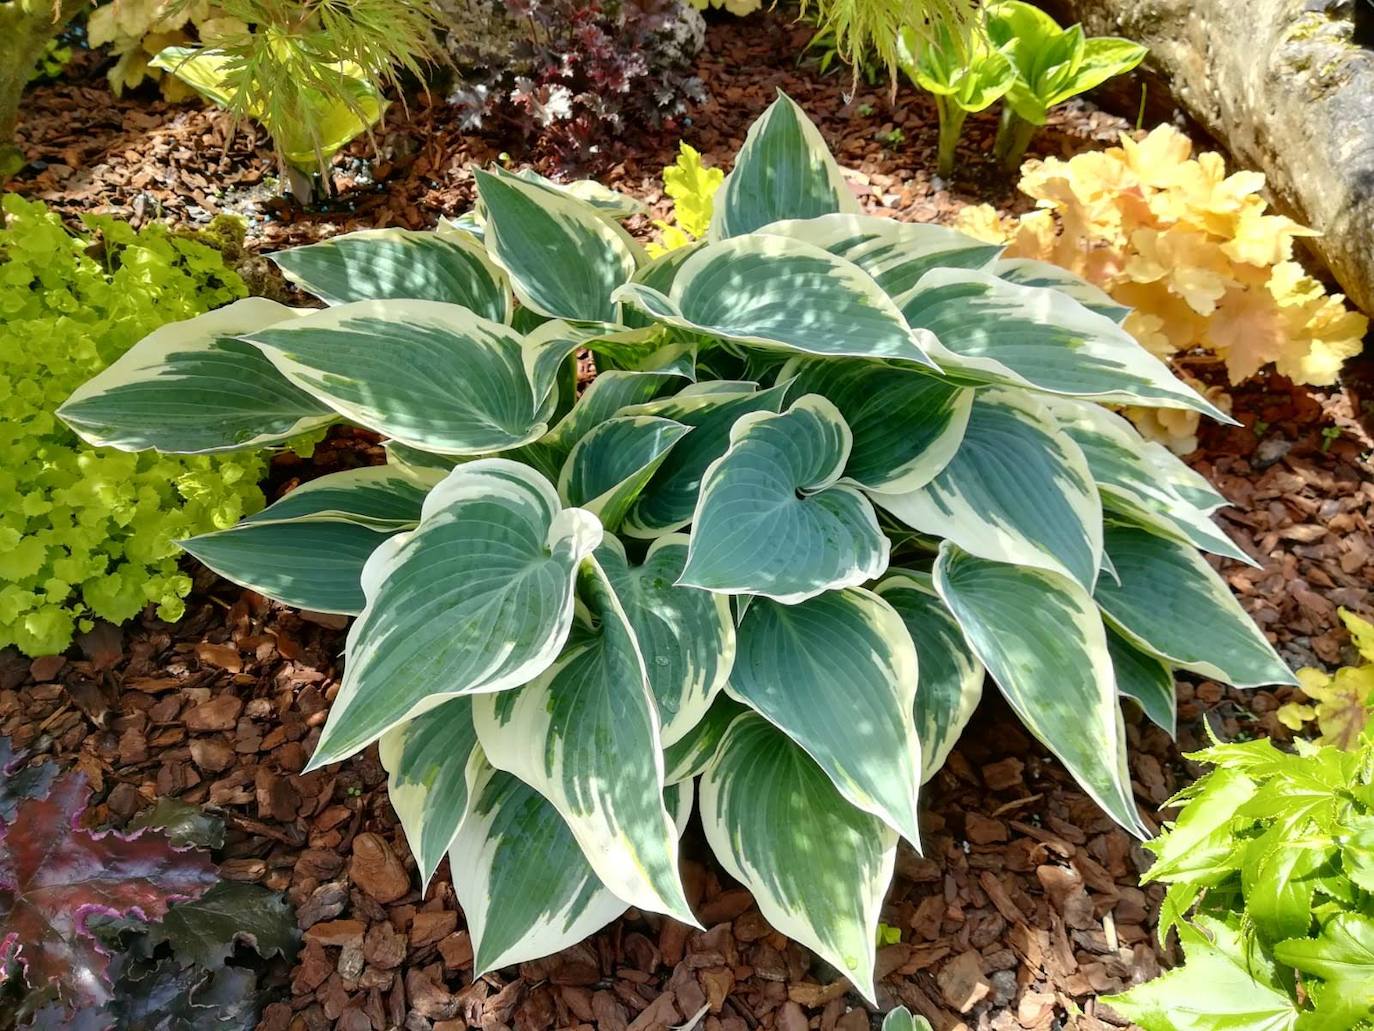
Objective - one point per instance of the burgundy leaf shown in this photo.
(54, 875)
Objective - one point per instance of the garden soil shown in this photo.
(1025, 906)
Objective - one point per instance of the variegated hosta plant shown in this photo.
(833, 469)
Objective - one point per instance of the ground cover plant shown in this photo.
(102, 928)
(90, 532)
(1195, 253)
(1270, 868)
(1340, 704)
(826, 458)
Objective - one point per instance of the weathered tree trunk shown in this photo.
(1287, 87)
(25, 28)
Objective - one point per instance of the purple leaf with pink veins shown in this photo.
(54, 875)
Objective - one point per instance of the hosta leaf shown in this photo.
(309, 563)
(1029, 272)
(901, 1019)
(670, 498)
(906, 425)
(54, 875)
(493, 559)
(993, 331)
(1140, 479)
(771, 520)
(192, 388)
(526, 889)
(1171, 603)
(378, 264)
(785, 294)
(430, 374)
(563, 258)
(689, 757)
(686, 636)
(380, 496)
(415, 462)
(585, 735)
(429, 773)
(838, 674)
(204, 931)
(1039, 635)
(784, 170)
(951, 680)
(610, 465)
(817, 867)
(1145, 680)
(610, 203)
(1018, 490)
(896, 254)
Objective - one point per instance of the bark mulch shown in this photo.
(1026, 905)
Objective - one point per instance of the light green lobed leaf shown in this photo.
(686, 636)
(493, 560)
(817, 867)
(585, 735)
(783, 293)
(1018, 490)
(990, 330)
(838, 675)
(771, 519)
(906, 424)
(1039, 635)
(784, 170)
(896, 254)
(711, 409)
(190, 387)
(431, 763)
(429, 374)
(951, 681)
(609, 467)
(1172, 604)
(562, 256)
(377, 264)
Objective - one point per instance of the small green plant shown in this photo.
(89, 532)
(1270, 868)
(865, 33)
(1341, 703)
(311, 74)
(692, 187)
(892, 138)
(1052, 65)
(865, 110)
(1330, 434)
(581, 610)
(964, 79)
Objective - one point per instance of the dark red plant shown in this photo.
(55, 875)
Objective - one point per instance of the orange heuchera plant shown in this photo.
(1192, 250)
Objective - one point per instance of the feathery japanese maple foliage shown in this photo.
(833, 468)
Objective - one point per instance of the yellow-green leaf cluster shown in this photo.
(1194, 251)
(736, 7)
(137, 30)
(692, 187)
(1340, 703)
(89, 532)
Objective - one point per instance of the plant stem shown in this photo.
(26, 26)
(951, 126)
(1014, 135)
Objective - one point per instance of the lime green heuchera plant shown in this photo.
(833, 469)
